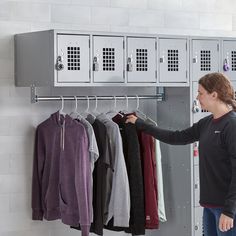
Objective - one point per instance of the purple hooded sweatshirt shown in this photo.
(61, 173)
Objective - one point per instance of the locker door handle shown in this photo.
(95, 64)
(162, 59)
(195, 59)
(129, 64)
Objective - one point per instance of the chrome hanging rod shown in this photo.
(158, 97)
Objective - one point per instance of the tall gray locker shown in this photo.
(141, 60)
(205, 57)
(173, 59)
(108, 59)
(228, 62)
(72, 61)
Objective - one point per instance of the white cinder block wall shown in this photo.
(18, 118)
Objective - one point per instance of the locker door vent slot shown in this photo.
(205, 60)
(108, 59)
(233, 60)
(141, 59)
(204, 110)
(73, 58)
(173, 60)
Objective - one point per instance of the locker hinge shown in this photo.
(186, 46)
(123, 73)
(156, 45)
(90, 74)
(89, 43)
(186, 74)
(156, 74)
(218, 47)
(123, 44)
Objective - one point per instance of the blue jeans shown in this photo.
(211, 218)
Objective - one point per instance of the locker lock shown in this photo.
(129, 64)
(226, 66)
(196, 107)
(59, 65)
(95, 64)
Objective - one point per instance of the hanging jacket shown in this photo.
(147, 152)
(61, 172)
(133, 164)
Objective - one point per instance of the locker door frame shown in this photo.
(72, 82)
(174, 84)
(138, 74)
(121, 79)
(192, 39)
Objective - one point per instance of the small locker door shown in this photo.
(228, 63)
(141, 60)
(205, 58)
(108, 59)
(72, 62)
(173, 60)
(198, 225)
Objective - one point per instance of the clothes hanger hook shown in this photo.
(87, 104)
(137, 106)
(62, 103)
(127, 102)
(114, 103)
(76, 103)
(96, 103)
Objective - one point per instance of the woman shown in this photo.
(216, 134)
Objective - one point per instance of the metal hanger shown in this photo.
(75, 114)
(61, 112)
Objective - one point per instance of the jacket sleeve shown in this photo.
(177, 137)
(38, 165)
(83, 182)
(229, 208)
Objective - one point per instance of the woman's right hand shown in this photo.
(131, 119)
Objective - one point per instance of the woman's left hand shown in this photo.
(225, 223)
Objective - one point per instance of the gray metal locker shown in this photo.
(72, 62)
(141, 60)
(198, 219)
(205, 57)
(228, 62)
(173, 60)
(108, 59)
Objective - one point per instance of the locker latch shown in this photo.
(59, 65)
(95, 64)
(226, 66)
(129, 64)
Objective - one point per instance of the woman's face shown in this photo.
(205, 99)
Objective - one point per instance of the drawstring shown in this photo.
(62, 139)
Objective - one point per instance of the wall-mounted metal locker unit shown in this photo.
(108, 59)
(228, 60)
(173, 61)
(204, 57)
(141, 60)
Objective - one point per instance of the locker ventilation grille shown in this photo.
(205, 60)
(108, 59)
(233, 58)
(141, 60)
(73, 58)
(203, 110)
(173, 60)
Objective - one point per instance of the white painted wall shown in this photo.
(18, 118)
